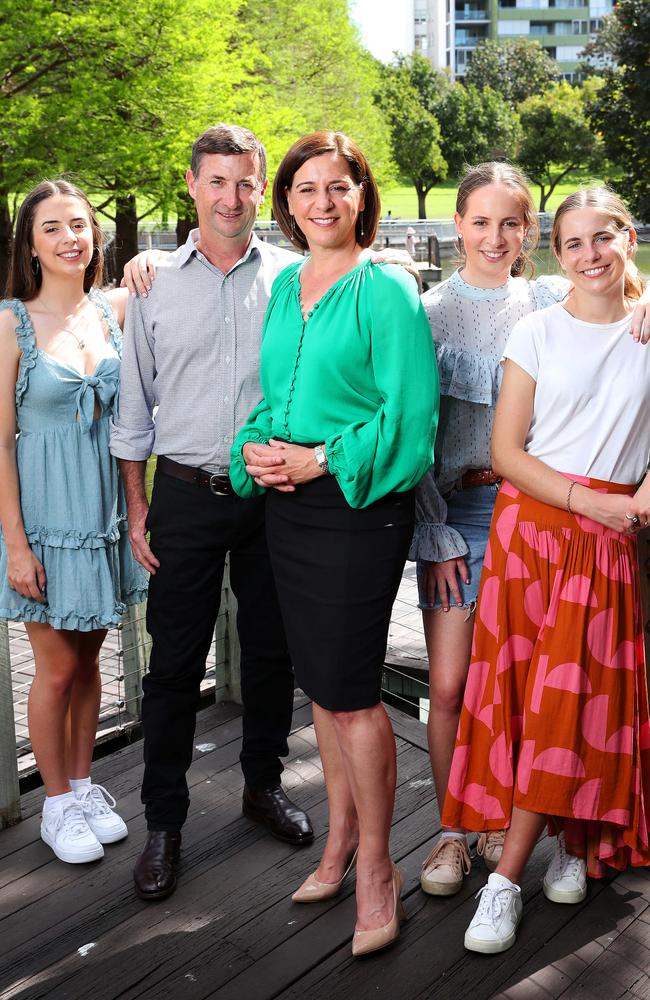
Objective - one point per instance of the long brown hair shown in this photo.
(497, 172)
(23, 281)
(316, 144)
(605, 201)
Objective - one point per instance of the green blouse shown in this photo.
(359, 375)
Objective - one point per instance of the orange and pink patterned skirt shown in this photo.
(555, 714)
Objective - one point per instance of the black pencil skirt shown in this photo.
(337, 571)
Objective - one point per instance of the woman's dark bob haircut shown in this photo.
(23, 281)
(316, 144)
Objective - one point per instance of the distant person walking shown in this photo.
(66, 569)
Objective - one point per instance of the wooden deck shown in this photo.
(231, 932)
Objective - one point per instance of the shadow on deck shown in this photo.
(231, 931)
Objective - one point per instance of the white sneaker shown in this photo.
(494, 925)
(490, 847)
(65, 830)
(104, 823)
(566, 877)
(444, 869)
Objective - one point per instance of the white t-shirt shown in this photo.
(591, 414)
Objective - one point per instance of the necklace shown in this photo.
(81, 343)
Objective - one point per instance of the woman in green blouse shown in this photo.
(343, 434)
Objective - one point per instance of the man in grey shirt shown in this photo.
(192, 350)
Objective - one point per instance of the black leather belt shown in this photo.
(219, 485)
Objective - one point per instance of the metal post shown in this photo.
(136, 646)
(9, 787)
(232, 672)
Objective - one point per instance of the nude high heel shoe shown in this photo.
(313, 891)
(364, 942)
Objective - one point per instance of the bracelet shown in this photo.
(568, 496)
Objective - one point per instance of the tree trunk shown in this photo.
(126, 231)
(5, 241)
(183, 228)
(186, 217)
(422, 201)
(543, 197)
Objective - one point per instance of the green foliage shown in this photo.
(516, 68)
(408, 90)
(476, 126)
(619, 110)
(307, 71)
(557, 136)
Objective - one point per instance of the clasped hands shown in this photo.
(280, 465)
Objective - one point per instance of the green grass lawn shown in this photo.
(441, 201)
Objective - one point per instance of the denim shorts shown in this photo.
(469, 512)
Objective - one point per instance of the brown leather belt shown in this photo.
(479, 477)
(219, 485)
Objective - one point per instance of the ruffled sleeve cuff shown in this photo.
(243, 484)
(436, 543)
(468, 375)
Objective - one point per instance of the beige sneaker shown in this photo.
(446, 866)
(489, 846)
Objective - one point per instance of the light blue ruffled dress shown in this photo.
(71, 497)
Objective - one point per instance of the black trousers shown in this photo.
(191, 531)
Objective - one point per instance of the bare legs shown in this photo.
(521, 837)
(449, 641)
(358, 753)
(64, 703)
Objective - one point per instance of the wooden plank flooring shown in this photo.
(231, 932)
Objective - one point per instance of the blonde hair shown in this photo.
(605, 201)
(497, 172)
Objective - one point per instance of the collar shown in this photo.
(467, 291)
(190, 248)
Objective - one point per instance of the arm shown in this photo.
(140, 272)
(394, 449)
(440, 547)
(117, 298)
(251, 459)
(512, 421)
(24, 572)
(138, 507)
(132, 426)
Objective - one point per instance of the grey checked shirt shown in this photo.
(191, 349)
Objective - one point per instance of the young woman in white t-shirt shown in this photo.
(554, 727)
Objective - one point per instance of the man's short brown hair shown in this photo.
(229, 140)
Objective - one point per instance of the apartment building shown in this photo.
(447, 31)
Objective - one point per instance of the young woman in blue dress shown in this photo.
(65, 566)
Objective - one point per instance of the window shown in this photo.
(513, 28)
(579, 27)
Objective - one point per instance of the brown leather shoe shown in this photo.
(284, 819)
(156, 868)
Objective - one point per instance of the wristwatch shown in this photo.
(321, 458)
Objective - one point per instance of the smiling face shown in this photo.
(62, 236)
(228, 193)
(325, 201)
(594, 252)
(492, 229)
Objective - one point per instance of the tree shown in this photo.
(619, 109)
(110, 93)
(476, 125)
(557, 136)
(408, 90)
(308, 70)
(516, 68)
